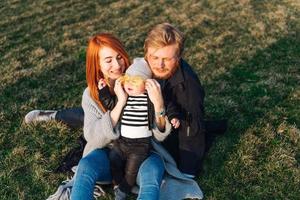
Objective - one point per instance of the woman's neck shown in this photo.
(112, 83)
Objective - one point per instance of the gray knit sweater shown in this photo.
(98, 129)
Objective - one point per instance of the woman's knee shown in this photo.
(151, 170)
(94, 162)
(150, 176)
(154, 163)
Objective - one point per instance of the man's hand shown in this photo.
(154, 93)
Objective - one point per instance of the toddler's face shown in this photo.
(134, 86)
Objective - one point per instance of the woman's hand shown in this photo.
(120, 93)
(154, 93)
(122, 98)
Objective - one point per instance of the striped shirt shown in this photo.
(134, 122)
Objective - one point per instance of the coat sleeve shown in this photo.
(98, 129)
(194, 108)
(172, 110)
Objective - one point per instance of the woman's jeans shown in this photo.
(95, 167)
(150, 176)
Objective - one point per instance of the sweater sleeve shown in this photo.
(161, 135)
(98, 128)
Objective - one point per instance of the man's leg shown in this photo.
(73, 117)
(39, 115)
(213, 128)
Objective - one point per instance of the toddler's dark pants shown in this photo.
(126, 157)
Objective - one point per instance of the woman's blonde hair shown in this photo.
(163, 35)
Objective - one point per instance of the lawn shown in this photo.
(245, 52)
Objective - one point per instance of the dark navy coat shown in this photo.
(187, 143)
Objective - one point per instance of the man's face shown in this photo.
(163, 62)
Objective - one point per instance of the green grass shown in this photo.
(246, 53)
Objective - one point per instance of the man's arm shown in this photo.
(155, 96)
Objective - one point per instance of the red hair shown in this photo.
(93, 68)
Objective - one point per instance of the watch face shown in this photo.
(162, 113)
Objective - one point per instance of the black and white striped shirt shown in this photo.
(134, 122)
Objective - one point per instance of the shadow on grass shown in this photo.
(259, 89)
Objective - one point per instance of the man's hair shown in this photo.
(163, 35)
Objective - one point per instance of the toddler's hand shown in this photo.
(175, 123)
(101, 83)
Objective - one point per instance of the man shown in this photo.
(163, 50)
(179, 83)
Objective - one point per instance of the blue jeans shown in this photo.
(149, 177)
(96, 167)
(93, 167)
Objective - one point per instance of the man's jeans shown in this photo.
(73, 117)
(95, 167)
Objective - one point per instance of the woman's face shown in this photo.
(111, 63)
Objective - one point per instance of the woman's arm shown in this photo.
(122, 98)
(98, 128)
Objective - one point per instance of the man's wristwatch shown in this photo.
(161, 113)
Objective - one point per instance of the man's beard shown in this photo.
(167, 75)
